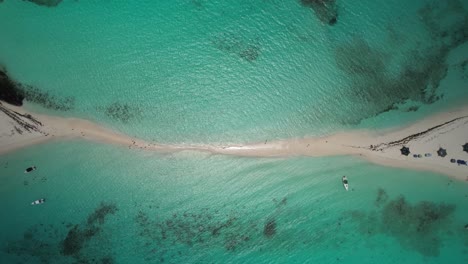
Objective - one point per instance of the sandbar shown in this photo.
(449, 129)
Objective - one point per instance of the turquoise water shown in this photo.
(195, 208)
(213, 71)
(196, 71)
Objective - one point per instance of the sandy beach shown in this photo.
(19, 129)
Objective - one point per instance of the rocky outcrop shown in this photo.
(10, 91)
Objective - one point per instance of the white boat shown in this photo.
(30, 169)
(345, 182)
(40, 201)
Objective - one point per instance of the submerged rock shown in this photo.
(10, 91)
(326, 10)
(48, 3)
(269, 229)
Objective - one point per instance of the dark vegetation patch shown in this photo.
(14, 93)
(48, 3)
(248, 50)
(250, 53)
(36, 243)
(413, 108)
(99, 215)
(60, 244)
(48, 100)
(205, 228)
(377, 90)
(462, 68)
(76, 238)
(199, 4)
(417, 227)
(382, 197)
(122, 112)
(325, 10)
(9, 90)
(269, 230)
(194, 230)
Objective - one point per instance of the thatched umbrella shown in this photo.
(442, 152)
(405, 151)
(465, 147)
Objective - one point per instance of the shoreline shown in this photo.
(19, 129)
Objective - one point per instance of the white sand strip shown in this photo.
(450, 132)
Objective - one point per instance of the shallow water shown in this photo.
(138, 207)
(211, 71)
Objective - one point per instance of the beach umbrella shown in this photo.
(442, 152)
(465, 147)
(405, 151)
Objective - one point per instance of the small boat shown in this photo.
(345, 182)
(30, 169)
(40, 201)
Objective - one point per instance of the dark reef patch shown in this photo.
(35, 244)
(417, 227)
(194, 230)
(248, 50)
(65, 242)
(122, 112)
(14, 93)
(48, 100)
(99, 215)
(325, 10)
(48, 3)
(269, 230)
(204, 228)
(377, 89)
(10, 92)
(382, 197)
(75, 239)
(250, 53)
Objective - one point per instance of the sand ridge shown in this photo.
(448, 129)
